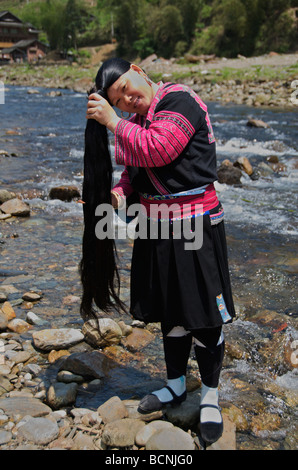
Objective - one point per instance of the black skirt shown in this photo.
(180, 287)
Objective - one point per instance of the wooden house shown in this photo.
(19, 41)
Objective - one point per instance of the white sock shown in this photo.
(177, 385)
(210, 396)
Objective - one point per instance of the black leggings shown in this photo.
(209, 357)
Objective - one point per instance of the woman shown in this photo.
(168, 151)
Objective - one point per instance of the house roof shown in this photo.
(23, 44)
(10, 17)
(7, 18)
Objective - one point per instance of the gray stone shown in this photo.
(23, 406)
(229, 174)
(147, 431)
(102, 332)
(88, 364)
(61, 394)
(4, 194)
(112, 410)
(34, 319)
(59, 338)
(3, 322)
(83, 442)
(18, 356)
(122, 432)
(15, 207)
(187, 414)
(68, 377)
(39, 430)
(170, 439)
(33, 369)
(5, 437)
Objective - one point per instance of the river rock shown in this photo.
(61, 394)
(187, 414)
(18, 325)
(82, 441)
(5, 385)
(257, 123)
(8, 311)
(244, 164)
(6, 195)
(55, 355)
(15, 207)
(5, 437)
(31, 296)
(39, 431)
(102, 332)
(59, 338)
(229, 174)
(170, 439)
(138, 339)
(22, 406)
(3, 297)
(67, 377)
(18, 356)
(34, 319)
(112, 410)
(64, 193)
(122, 432)
(88, 364)
(147, 431)
(3, 321)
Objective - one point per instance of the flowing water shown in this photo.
(43, 251)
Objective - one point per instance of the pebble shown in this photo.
(18, 325)
(15, 207)
(102, 332)
(39, 431)
(148, 430)
(31, 296)
(170, 439)
(122, 432)
(112, 410)
(59, 338)
(61, 394)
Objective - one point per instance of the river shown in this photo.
(44, 136)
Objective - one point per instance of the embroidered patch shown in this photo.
(222, 308)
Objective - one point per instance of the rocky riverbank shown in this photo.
(45, 370)
(35, 414)
(259, 81)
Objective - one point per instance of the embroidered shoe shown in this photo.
(211, 431)
(151, 402)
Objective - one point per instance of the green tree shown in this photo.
(73, 23)
(166, 29)
(52, 18)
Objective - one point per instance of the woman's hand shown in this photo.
(99, 109)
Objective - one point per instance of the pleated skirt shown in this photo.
(180, 287)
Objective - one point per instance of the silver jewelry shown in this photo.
(123, 117)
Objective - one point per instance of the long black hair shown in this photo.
(98, 267)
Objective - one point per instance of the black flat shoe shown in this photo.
(151, 402)
(211, 431)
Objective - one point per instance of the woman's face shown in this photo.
(132, 92)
